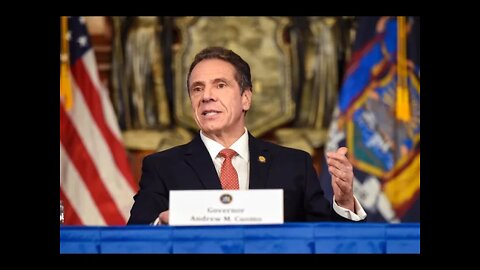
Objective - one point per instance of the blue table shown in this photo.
(286, 238)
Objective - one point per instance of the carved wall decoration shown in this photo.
(139, 91)
(319, 83)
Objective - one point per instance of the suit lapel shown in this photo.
(199, 159)
(260, 161)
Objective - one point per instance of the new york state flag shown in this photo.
(378, 118)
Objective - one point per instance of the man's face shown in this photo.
(215, 97)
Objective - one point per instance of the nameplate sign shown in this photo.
(226, 207)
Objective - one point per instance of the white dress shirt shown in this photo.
(241, 162)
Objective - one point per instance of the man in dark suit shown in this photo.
(220, 89)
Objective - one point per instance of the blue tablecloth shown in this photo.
(286, 238)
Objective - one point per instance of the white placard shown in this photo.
(226, 207)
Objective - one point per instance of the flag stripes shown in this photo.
(96, 184)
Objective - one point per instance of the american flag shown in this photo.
(96, 183)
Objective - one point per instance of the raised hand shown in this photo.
(341, 171)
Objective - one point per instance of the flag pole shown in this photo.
(402, 99)
(65, 82)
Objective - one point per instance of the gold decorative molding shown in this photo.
(154, 140)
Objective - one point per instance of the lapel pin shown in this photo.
(262, 159)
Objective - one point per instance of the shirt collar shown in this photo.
(240, 146)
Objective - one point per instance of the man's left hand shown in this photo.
(342, 178)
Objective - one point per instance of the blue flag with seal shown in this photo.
(378, 118)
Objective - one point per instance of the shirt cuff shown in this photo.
(346, 213)
(156, 222)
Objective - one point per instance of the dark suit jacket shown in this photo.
(190, 167)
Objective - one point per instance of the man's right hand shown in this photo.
(164, 217)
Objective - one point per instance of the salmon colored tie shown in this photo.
(228, 174)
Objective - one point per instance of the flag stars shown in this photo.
(82, 40)
(82, 20)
